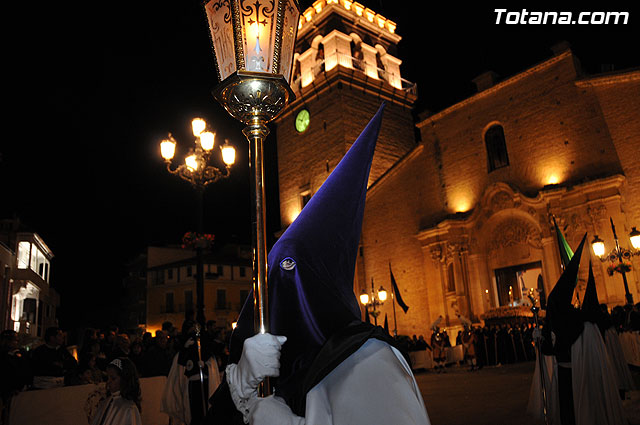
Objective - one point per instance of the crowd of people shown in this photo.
(500, 344)
(52, 364)
(482, 346)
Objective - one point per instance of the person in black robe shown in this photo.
(53, 360)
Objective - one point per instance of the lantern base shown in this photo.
(254, 96)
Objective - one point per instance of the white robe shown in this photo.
(596, 399)
(175, 398)
(618, 361)
(373, 386)
(116, 410)
(535, 407)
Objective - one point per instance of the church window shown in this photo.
(496, 147)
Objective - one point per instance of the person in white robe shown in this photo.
(328, 366)
(121, 407)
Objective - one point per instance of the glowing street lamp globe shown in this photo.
(598, 246)
(382, 294)
(634, 236)
(207, 140)
(198, 125)
(168, 148)
(228, 153)
(191, 162)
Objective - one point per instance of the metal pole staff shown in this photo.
(545, 410)
(204, 399)
(393, 303)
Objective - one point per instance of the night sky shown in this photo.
(92, 91)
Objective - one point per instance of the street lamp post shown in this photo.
(374, 300)
(197, 171)
(253, 43)
(618, 254)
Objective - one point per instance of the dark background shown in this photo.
(92, 89)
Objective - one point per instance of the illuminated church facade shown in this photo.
(463, 214)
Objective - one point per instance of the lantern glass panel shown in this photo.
(289, 32)
(258, 34)
(221, 31)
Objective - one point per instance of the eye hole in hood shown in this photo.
(288, 264)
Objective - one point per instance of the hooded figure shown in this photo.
(614, 349)
(595, 387)
(330, 356)
(563, 325)
(583, 390)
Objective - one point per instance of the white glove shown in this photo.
(272, 411)
(260, 358)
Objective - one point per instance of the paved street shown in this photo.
(491, 396)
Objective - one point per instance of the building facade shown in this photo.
(464, 218)
(171, 285)
(29, 304)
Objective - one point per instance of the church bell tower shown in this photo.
(345, 66)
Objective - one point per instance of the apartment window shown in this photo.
(170, 274)
(496, 147)
(221, 299)
(188, 300)
(168, 297)
(220, 271)
(243, 271)
(157, 277)
(189, 271)
(24, 250)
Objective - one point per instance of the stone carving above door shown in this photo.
(515, 231)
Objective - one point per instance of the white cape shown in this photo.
(596, 399)
(373, 386)
(116, 410)
(175, 398)
(535, 407)
(619, 363)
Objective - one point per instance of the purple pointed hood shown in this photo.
(311, 267)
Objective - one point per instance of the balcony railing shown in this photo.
(359, 65)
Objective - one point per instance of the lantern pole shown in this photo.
(255, 99)
(253, 43)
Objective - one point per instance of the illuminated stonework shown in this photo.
(335, 48)
(364, 15)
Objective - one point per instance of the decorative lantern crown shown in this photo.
(253, 35)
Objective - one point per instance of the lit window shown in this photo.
(24, 249)
(34, 258)
(496, 147)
